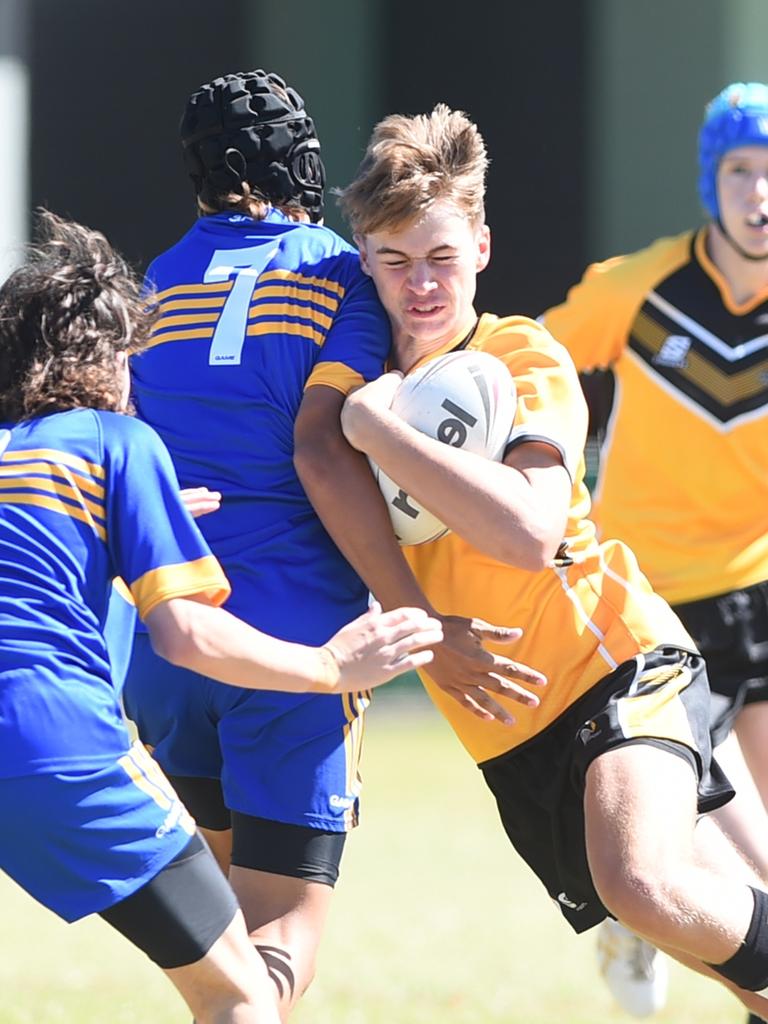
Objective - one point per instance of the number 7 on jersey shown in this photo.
(247, 265)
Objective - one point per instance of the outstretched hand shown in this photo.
(378, 646)
(470, 673)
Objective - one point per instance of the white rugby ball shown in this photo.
(464, 399)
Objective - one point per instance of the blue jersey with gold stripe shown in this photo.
(251, 312)
(84, 496)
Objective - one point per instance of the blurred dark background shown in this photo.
(589, 108)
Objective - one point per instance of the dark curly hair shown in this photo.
(65, 314)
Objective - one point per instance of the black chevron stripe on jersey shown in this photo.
(719, 360)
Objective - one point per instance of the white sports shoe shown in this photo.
(636, 972)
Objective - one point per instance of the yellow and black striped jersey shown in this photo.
(684, 466)
(592, 608)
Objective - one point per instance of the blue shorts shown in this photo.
(291, 758)
(81, 841)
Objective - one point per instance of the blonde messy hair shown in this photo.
(411, 163)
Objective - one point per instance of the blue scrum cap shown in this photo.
(737, 116)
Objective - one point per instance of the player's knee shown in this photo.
(228, 981)
(214, 1007)
(636, 896)
(307, 978)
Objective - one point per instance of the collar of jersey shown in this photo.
(710, 269)
(272, 216)
(461, 340)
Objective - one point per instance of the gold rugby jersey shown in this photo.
(684, 467)
(592, 608)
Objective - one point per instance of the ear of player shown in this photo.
(464, 399)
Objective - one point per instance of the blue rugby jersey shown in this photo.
(84, 496)
(251, 312)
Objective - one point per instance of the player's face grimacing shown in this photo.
(742, 185)
(425, 274)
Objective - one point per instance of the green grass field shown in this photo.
(435, 920)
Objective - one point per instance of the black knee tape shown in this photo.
(282, 849)
(748, 967)
(178, 915)
(204, 799)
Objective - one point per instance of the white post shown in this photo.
(14, 117)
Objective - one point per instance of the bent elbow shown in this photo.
(171, 646)
(537, 561)
(533, 555)
(309, 460)
(536, 558)
(544, 549)
(171, 632)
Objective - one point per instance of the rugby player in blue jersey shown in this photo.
(90, 823)
(261, 305)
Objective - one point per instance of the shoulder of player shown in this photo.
(322, 242)
(120, 430)
(313, 250)
(502, 334)
(642, 269)
(524, 344)
(91, 439)
(603, 304)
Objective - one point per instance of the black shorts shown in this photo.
(179, 914)
(312, 854)
(731, 631)
(661, 698)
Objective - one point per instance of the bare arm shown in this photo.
(515, 511)
(462, 666)
(347, 494)
(367, 652)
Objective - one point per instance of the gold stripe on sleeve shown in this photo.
(335, 375)
(202, 577)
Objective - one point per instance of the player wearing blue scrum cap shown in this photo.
(737, 117)
(683, 325)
